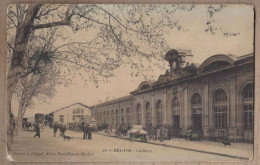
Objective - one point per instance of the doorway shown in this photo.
(197, 122)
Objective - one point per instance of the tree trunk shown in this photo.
(18, 62)
(9, 125)
(19, 120)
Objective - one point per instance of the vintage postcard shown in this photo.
(130, 83)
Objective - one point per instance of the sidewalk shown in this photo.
(236, 150)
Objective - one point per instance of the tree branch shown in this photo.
(10, 45)
(64, 22)
(116, 19)
(92, 20)
(10, 18)
(44, 13)
(52, 24)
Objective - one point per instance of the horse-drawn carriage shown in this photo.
(137, 132)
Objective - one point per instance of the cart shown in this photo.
(192, 135)
(138, 133)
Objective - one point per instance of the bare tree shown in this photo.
(41, 83)
(40, 86)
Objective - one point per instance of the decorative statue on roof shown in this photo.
(173, 57)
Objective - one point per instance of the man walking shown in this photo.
(63, 130)
(55, 128)
(37, 130)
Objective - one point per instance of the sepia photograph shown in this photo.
(128, 83)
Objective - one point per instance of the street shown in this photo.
(99, 149)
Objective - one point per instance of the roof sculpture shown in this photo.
(176, 69)
(172, 56)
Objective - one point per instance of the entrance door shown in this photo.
(176, 121)
(197, 122)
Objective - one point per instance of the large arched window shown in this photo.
(248, 106)
(138, 114)
(175, 111)
(128, 116)
(99, 117)
(117, 117)
(148, 115)
(104, 117)
(122, 116)
(159, 112)
(220, 109)
(112, 118)
(108, 118)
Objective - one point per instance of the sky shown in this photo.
(234, 18)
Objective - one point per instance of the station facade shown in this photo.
(215, 98)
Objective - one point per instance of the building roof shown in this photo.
(70, 106)
(114, 100)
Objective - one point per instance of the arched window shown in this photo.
(148, 115)
(108, 118)
(159, 112)
(117, 117)
(98, 117)
(220, 109)
(196, 99)
(175, 102)
(175, 109)
(138, 114)
(248, 106)
(104, 116)
(220, 96)
(122, 116)
(128, 117)
(112, 118)
(196, 103)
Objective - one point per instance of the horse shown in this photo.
(28, 126)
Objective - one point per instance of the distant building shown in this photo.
(72, 113)
(215, 99)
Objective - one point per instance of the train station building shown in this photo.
(215, 98)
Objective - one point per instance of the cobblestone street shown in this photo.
(104, 149)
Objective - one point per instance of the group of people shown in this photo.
(161, 132)
(87, 131)
(62, 128)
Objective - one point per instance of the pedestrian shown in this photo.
(55, 128)
(50, 125)
(90, 133)
(60, 129)
(162, 133)
(63, 130)
(37, 130)
(85, 131)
